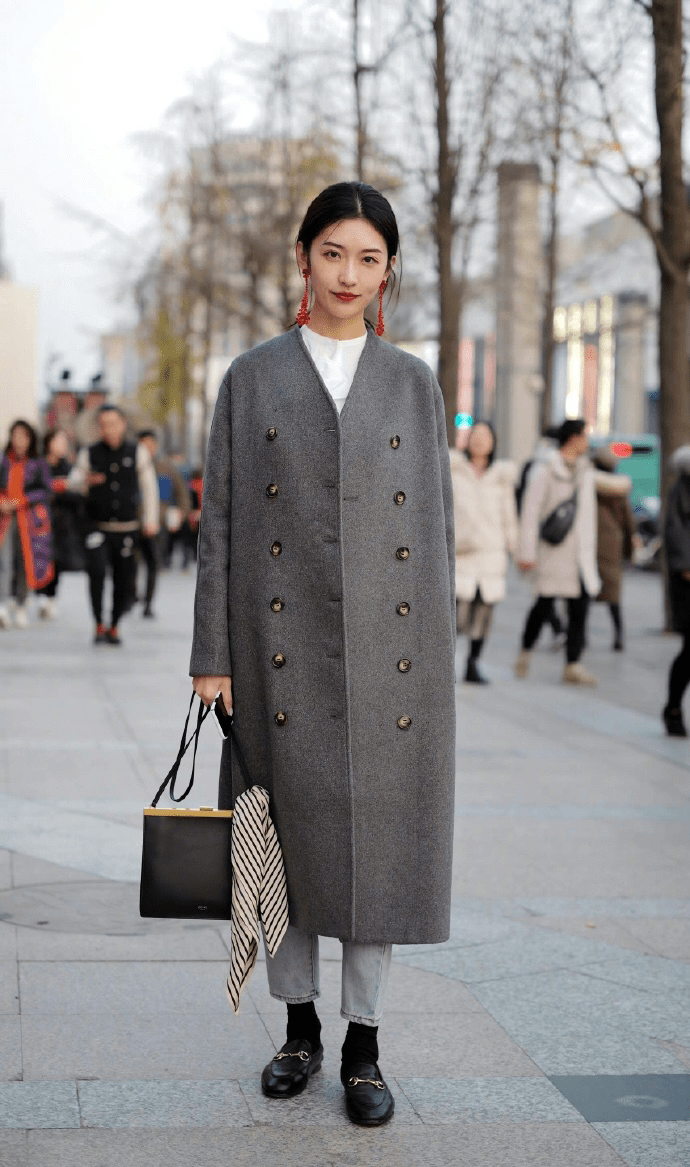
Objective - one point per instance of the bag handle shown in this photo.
(171, 776)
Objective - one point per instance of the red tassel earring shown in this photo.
(303, 314)
(380, 324)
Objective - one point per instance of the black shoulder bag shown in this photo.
(186, 871)
(555, 526)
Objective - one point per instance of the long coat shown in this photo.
(615, 530)
(485, 527)
(325, 589)
(28, 479)
(561, 568)
(677, 541)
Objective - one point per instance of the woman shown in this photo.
(485, 535)
(324, 609)
(66, 514)
(677, 548)
(615, 535)
(25, 538)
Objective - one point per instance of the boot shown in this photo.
(522, 663)
(472, 674)
(576, 674)
(673, 720)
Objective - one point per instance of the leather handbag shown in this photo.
(555, 526)
(186, 871)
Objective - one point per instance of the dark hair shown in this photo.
(48, 437)
(570, 428)
(492, 431)
(351, 200)
(32, 451)
(551, 432)
(108, 408)
(147, 434)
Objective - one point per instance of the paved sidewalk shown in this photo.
(563, 991)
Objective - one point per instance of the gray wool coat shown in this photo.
(325, 589)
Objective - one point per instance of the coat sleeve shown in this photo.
(531, 513)
(211, 642)
(42, 490)
(676, 533)
(510, 516)
(447, 488)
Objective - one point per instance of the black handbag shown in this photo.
(186, 870)
(555, 526)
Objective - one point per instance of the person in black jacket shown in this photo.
(67, 515)
(677, 547)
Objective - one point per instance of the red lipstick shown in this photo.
(346, 297)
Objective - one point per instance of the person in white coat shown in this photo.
(567, 568)
(485, 535)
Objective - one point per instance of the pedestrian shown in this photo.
(558, 544)
(119, 479)
(677, 549)
(615, 534)
(485, 535)
(174, 505)
(25, 536)
(67, 520)
(191, 527)
(329, 619)
(546, 613)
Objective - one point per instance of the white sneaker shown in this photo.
(522, 663)
(21, 620)
(576, 674)
(5, 619)
(46, 608)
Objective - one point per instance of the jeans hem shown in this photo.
(361, 1020)
(295, 1000)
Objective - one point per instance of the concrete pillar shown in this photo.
(518, 311)
(629, 405)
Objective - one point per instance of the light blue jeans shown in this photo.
(293, 975)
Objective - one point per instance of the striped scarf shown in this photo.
(259, 890)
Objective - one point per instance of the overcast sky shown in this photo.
(79, 77)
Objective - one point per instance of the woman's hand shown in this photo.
(207, 687)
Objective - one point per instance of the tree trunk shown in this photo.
(357, 74)
(448, 294)
(667, 17)
(547, 342)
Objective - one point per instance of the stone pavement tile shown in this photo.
(9, 992)
(29, 1105)
(670, 938)
(648, 1144)
(68, 839)
(14, 1151)
(617, 933)
(10, 1050)
(395, 1145)
(91, 767)
(27, 870)
(123, 1105)
(440, 1100)
(183, 944)
(320, 1105)
(129, 987)
(5, 869)
(651, 974)
(8, 942)
(413, 990)
(188, 1045)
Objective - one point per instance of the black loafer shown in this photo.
(290, 1070)
(368, 1100)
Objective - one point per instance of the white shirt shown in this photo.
(336, 361)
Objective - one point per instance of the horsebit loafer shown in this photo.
(368, 1100)
(290, 1070)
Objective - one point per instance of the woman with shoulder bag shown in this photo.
(324, 614)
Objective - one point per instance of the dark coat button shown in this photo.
(114, 467)
(278, 660)
(399, 497)
(277, 604)
(271, 490)
(395, 442)
(276, 549)
(271, 434)
(403, 609)
(404, 665)
(114, 485)
(404, 722)
(403, 553)
(280, 718)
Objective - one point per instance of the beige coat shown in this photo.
(616, 527)
(485, 527)
(560, 569)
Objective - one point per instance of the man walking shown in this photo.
(174, 509)
(121, 500)
(558, 542)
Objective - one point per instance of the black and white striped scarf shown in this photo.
(259, 890)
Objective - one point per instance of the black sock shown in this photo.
(360, 1044)
(303, 1022)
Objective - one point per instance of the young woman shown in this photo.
(25, 536)
(615, 535)
(66, 513)
(485, 535)
(325, 613)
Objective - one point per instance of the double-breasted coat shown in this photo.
(325, 589)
